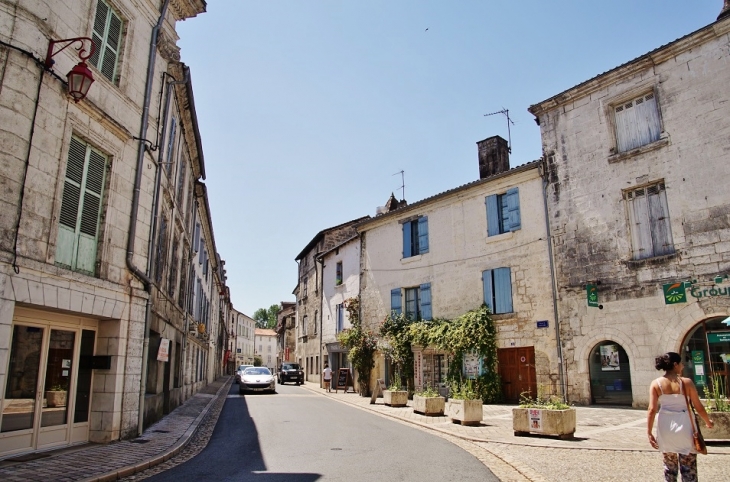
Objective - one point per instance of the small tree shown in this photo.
(266, 318)
(257, 361)
(361, 345)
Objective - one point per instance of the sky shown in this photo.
(309, 109)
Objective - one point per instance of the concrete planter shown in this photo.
(395, 398)
(544, 421)
(466, 412)
(430, 406)
(721, 430)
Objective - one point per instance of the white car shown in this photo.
(239, 371)
(257, 379)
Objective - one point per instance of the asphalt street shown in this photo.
(295, 435)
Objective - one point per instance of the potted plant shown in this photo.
(465, 406)
(395, 396)
(548, 416)
(428, 402)
(718, 407)
(56, 396)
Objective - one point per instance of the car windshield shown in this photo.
(243, 367)
(257, 371)
(291, 366)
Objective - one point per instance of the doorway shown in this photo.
(610, 375)
(517, 372)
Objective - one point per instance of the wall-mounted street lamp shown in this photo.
(79, 78)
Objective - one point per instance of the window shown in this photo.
(170, 147)
(172, 281)
(161, 254)
(304, 288)
(107, 38)
(315, 321)
(340, 314)
(637, 122)
(81, 207)
(415, 237)
(651, 232)
(418, 302)
(497, 284)
(503, 212)
(181, 183)
(304, 325)
(338, 274)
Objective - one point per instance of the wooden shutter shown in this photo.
(640, 226)
(396, 301)
(512, 221)
(637, 122)
(407, 240)
(425, 299)
(170, 147)
(661, 231)
(502, 291)
(423, 234)
(107, 37)
(492, 215)
(181, 182)
(488, 289)
(161, 253)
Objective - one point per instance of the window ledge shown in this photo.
(411, 259)
(653, 261)
(502, 316)
(621, 156)
(500, 237)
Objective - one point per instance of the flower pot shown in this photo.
(721, 430)
(395, 398)
(431, 406)
(544, 421)
(56, 398)
(466, 412)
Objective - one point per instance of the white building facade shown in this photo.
(265, 347)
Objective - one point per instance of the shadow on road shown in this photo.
(233, 452)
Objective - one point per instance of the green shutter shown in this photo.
(107, 37)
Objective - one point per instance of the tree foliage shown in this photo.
(266, 318)
(361, 345)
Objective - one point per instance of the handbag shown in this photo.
(698, 440)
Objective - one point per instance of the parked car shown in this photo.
(257, 379)
(290, 372)
(239, 371)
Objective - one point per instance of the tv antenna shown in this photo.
(402, 182)
(509, 121)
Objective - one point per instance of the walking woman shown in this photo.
(673, 431)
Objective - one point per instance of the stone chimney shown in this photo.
(493, 156)
(725, 10)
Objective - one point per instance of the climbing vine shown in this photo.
(361, 345)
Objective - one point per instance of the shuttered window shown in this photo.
(417, 303)
(161, 253)
(107, 37)
(415, 237)
(497, 285)
(340, 317)
(172, 281)
(637, 122)
(81, 205)
(503, 212)
(651, 232)
(396, 301)
(171, 147)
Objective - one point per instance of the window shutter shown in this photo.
(423, 234)
(488, 288)
(502, 290)
(513, 209)
(426, 301)
(170, 146)
(492, 215)
(90, 212)
(395, 301)
(102, 11)
(107, 37)
(407, 240)
(68, 219)
(196, 238)
(637, 122)
(661, 233)
(640, 227)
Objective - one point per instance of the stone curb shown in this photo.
(167, 454)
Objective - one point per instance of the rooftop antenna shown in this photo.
(509, 121)
(402, 182)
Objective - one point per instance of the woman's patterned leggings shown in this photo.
(676, 463)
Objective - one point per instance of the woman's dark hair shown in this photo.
(667, 361)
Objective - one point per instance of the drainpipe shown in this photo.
(321, 315)
(561, 374)
(135, 209)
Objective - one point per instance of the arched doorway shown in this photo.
(610, 374)
(707, 353)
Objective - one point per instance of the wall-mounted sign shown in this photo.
(721, 337)
(163, 353)
(677, 292)
(609, 358)
(674, 293)
(592, 295)
(542, 324)
(698, 360)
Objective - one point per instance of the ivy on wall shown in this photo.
(361, 345)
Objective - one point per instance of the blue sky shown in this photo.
(308, 107)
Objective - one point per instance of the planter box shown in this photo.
(397, 398)
(721, 430)
(466, 412)
(543, 421)
(56, 399)
(431, 406)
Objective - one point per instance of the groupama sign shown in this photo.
(677, 292)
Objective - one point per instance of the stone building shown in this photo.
(309, 297)
(265, 347)
(483, 242)
(78, 286)
(286, 340)
(637, 162)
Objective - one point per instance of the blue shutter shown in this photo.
(502, 290)
(423, 234)
(426, 301)
(407, 240)
(513, 208)
(492, 215)
(488, 289)
(395, 301)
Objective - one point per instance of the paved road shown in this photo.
(296, 435)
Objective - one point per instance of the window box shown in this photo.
(551, 422)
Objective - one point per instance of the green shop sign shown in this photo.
(722, 337)
(677, 292)
(592, 296)
(698, 360)
(674, 293)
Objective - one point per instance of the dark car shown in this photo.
(290, 372)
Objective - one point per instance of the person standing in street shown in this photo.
(674, 430)
(327, 375)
